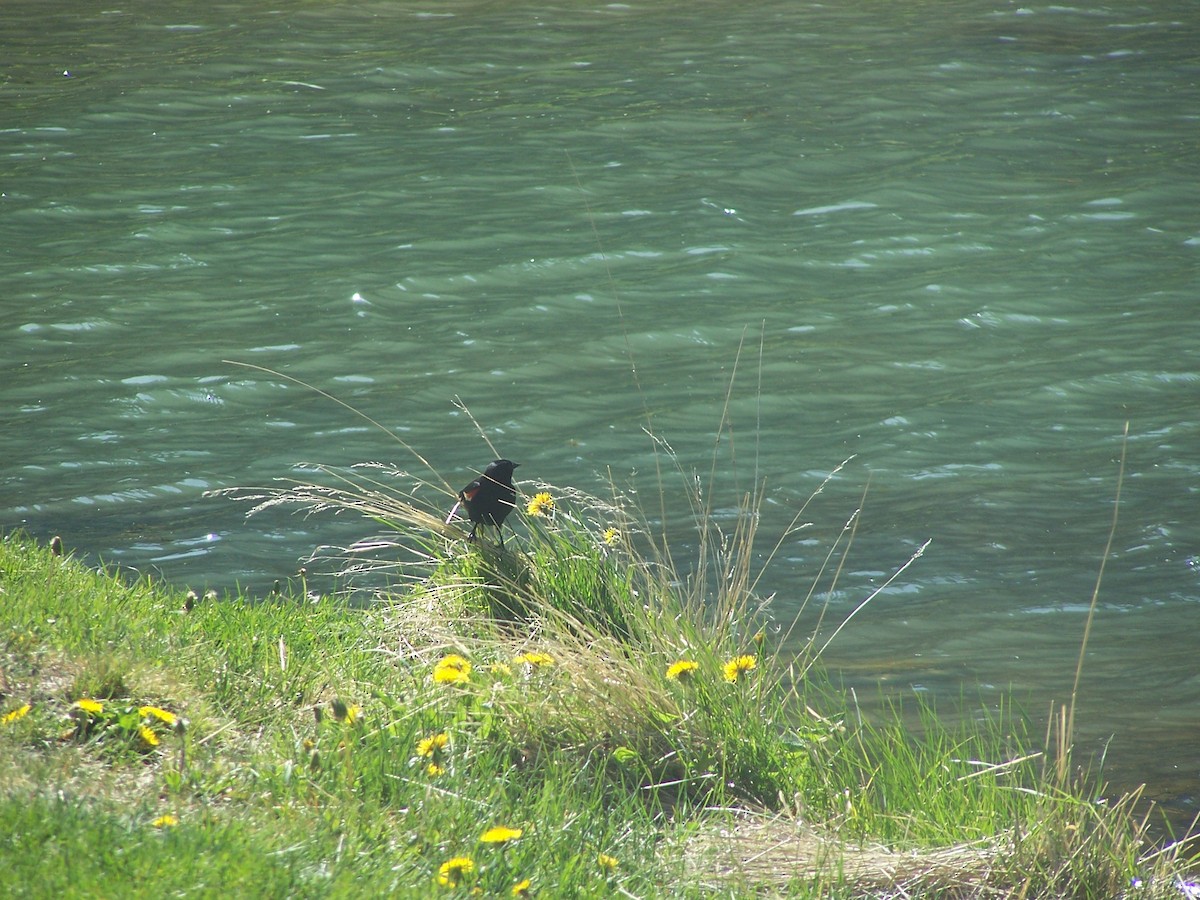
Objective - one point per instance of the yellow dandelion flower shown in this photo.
(681, 670)
(148, 736)
(19, 713)
(736, 666)
(453, 871)
(611, 536)
(607, 863)
(91, 707)
(430, 746)
(167, 821)
(500, 835)
(153, 712)
(452, 669)
(352, 714)
(521, 888)
(541, 505)
(500, 669)
(433, 770)
(535, 659)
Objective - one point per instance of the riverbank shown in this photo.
(561, 719)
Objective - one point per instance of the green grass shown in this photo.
(306, 758)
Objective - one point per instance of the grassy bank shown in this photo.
(569, 717)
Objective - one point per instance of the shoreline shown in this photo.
(230, 730)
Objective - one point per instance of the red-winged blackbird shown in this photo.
(489, 498)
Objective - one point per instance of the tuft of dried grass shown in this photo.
(774, 851)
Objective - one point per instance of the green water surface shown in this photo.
(958, 240)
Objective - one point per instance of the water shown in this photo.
(958, 240)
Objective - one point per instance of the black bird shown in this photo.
(489, 498)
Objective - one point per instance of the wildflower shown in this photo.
(153, 712)
(433, 770)
(535, 659)
(148, 736)
(431, 746)
(91, 707)
(681, 670)
(352, 714)
(611, 536)
(19, 713)
(607, 863)
(541, 505)
(500, 835)
(452, 669)
(521, 888)
(453, 871)
(167, 821)
(500, 669)
(736, 666)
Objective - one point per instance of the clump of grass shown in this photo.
(663, 682)
(614, 623)
(592, 746)
(575, 714)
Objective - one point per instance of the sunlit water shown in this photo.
(956, 240)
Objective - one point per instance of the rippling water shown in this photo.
(959, 240)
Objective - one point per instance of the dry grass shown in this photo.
(774, 852)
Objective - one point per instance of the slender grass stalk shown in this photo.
(1069, 725)
(863, 603)
(354, 410)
